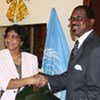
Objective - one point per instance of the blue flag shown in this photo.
(56, 51)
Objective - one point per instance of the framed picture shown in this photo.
(36, 40)
(95, 4)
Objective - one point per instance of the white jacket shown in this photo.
(8, 71)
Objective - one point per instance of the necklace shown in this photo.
(17, 59)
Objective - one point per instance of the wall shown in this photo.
(1, 38)
(39, 12)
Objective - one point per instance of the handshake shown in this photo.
(36, 89)
(39, 81)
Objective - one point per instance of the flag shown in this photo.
(56, 50)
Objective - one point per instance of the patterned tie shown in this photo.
(75, 49)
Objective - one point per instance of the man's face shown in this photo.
(79, 22)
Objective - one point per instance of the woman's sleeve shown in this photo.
(4, 76)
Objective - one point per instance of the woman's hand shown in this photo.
(39, 81)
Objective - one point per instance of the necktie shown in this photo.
(75, 49)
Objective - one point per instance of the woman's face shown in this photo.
(12, 41)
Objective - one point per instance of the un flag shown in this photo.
(56, 51)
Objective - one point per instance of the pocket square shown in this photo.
(78, 67)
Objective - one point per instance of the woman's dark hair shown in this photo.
(20, 30)
(88, 9)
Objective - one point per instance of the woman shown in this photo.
(17, 67)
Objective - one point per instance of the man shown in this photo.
(82, 79)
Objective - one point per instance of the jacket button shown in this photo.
(14, 91)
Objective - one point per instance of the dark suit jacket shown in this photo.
(82, 79)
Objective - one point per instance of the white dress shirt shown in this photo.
(83, 37)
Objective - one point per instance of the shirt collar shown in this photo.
(83, 37)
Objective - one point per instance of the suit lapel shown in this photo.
(79, 52)
(5, 57)
(72, 61)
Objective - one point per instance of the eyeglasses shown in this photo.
(78, 18)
